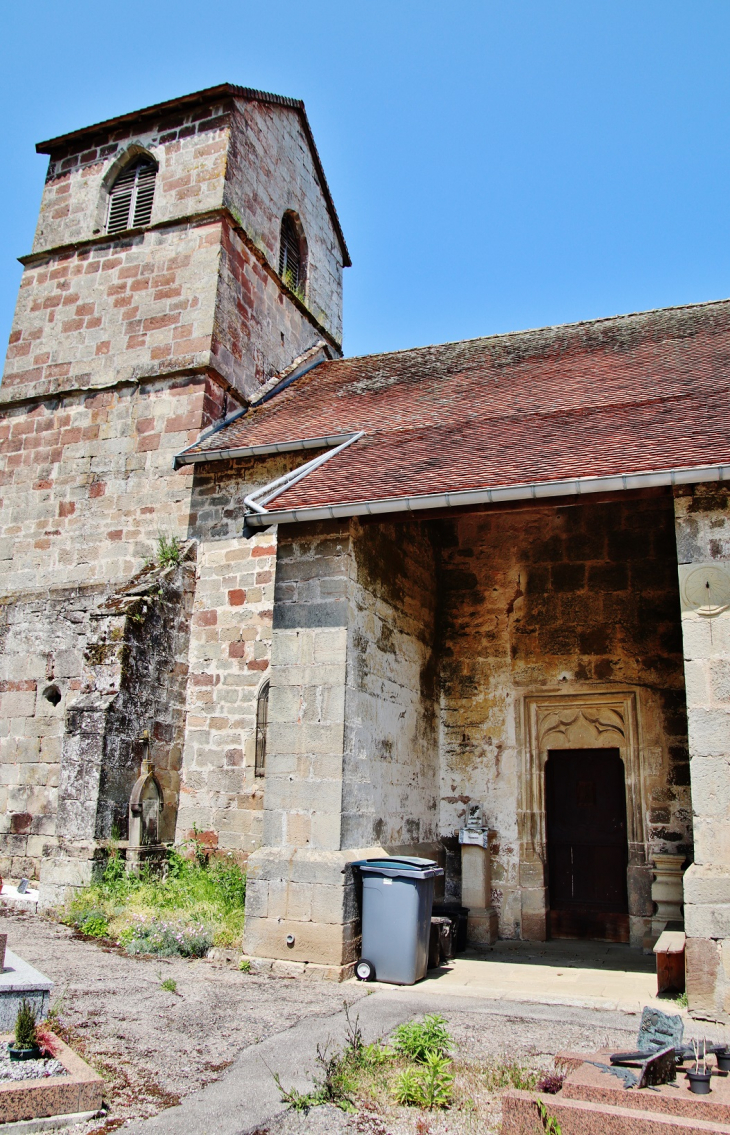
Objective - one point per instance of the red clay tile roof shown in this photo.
(630, 394)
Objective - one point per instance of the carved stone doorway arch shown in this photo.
(595, 719)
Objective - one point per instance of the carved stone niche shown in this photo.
(145, 806)
(595, 719)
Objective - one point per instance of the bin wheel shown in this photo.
(364, 970)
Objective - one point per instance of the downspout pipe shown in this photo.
(257, 500)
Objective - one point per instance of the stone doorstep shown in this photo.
(577, 1117)
(50, 1096)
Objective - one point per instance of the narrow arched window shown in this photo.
(130, 197)
(291, 267)
(262, 717)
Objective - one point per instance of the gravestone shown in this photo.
(20, 981)
(659, 1030)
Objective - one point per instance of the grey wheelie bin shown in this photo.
(397, 897)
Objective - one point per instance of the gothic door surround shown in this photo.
(587, 850)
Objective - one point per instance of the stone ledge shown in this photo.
(311, 971)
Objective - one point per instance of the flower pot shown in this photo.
(723, 1060)
(33, 1053)
(699, 1083)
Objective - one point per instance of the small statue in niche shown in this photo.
(145, 806)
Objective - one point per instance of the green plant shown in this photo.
(95, 924)
(408, 1088)
(337, 1080)
(510, 1074)
(436, 1081)
(418, 1040)
(169, 985)
(169, 550)
(245, 965)
(297, 1101)
(430, 1085)
(549, 1122)
(681, 1001)
(25, 1026)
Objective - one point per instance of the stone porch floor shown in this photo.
(594, 975)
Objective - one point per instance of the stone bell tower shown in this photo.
(185, 255)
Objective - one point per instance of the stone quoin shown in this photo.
(492, 573)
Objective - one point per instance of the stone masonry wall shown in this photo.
(230, 647)
(570, 598)
(389, 792)
(703, 545)
(259, 330)
(121, 310)
(265, 139)
(134, 678)
(189, 146)
(42, 638)
(352, 760)
(87, 481)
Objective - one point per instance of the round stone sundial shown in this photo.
(707, 590)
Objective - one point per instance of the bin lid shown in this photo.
(405, 866)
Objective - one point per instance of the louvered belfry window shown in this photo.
(262, 717)
(290, 254)
(130, 199)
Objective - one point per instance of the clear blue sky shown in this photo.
(497, 164)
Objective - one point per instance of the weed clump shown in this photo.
(183, 911)
(416, 1068)
(510, 1074)
(430, 1085)
(419, 1040)
(169, 551)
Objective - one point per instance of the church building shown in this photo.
(310, 608)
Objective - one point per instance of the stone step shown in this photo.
(580, 1117)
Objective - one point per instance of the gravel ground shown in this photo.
(28, 1069)
(151, 1046)
(155, 1047)
(481, 1038)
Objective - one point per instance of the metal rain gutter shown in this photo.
(184, 457)
(261, 450)
(535, 490)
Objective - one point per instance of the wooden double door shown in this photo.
(585, 797)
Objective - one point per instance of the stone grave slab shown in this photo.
(77, 1095)
(596, 1101)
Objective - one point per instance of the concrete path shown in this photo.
(246, 1096)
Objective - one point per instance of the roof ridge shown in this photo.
(536, 330)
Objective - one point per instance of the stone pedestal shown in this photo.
(666, 891)
(476, 893)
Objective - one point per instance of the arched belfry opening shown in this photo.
(292, 253)
(131, 195)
